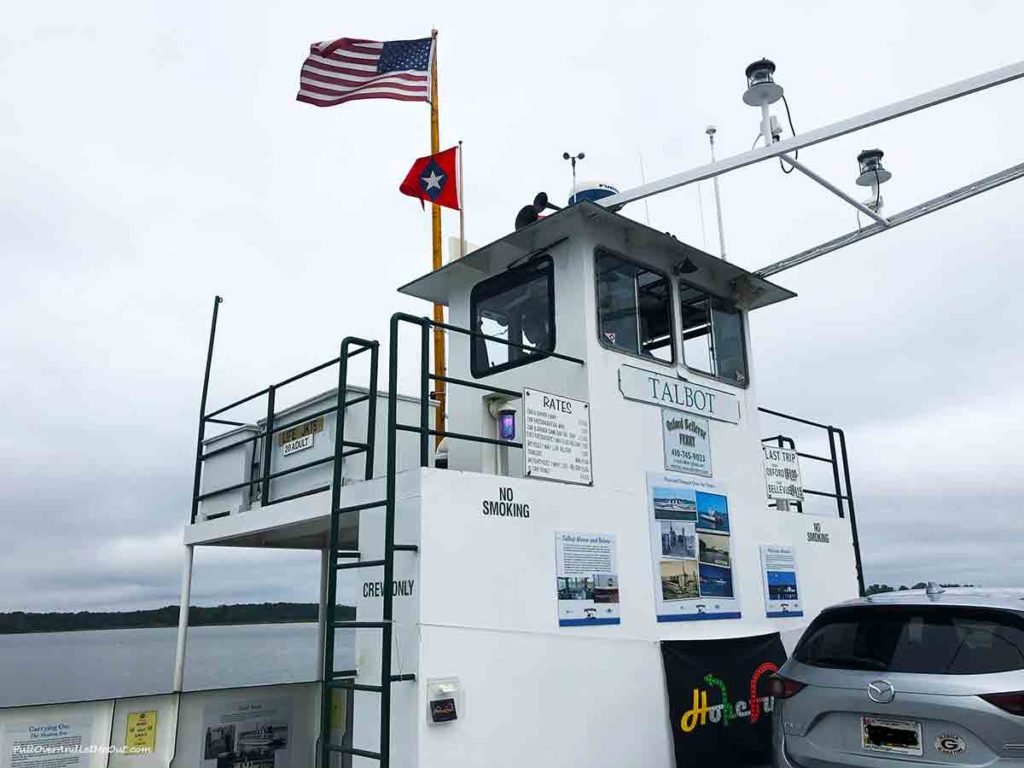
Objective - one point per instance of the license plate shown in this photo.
(901, 737)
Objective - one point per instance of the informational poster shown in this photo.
(719, 705)
(782, 474)
(53, 743)
(140, 733)
(781, 591)
(556, 439)
(246, 734)
(586, 579)
(692, 548)
(687, 442)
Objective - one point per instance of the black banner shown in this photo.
(718, 702)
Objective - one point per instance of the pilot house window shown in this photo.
(634, 307)
(712, 336)
(517, 306)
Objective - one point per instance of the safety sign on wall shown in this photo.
(556, 442)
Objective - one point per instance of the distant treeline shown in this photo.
(876, 589)
(247, 613)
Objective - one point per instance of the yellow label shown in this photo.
(141, 733)
(301, 430)
(339, 701)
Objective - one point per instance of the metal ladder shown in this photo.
(340, 560)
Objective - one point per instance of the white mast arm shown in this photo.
(930, 206)
(874, 117)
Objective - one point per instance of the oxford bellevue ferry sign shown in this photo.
(671, 392)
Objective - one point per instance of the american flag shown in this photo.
(347, 69)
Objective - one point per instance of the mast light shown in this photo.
(761, 86)
(871, 170)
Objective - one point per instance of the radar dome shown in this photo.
(592, 191)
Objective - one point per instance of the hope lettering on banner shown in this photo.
(717, 701)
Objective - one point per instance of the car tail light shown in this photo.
(1008, 702)
(783, 688)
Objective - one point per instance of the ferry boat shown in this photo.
(505, 522)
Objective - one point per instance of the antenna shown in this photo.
(643, 180)
(760, 80)
(572, 159)
(710, 131)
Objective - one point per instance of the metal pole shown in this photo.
(425, 393)
(202, 413)
(183, 603)
(387, 599)
(329, 598)
(462, 209)
(435, 221)
(866, 120)
(935, 204)
(766, 125)
(835, 471)
(643, 180)
(834, 190)
(853, 513)
(268, 447)
(321, 632)
(718, 197)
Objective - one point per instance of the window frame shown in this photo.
(682, 341)
(672, 325)
(492, 286)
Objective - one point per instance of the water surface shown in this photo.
(47, 667)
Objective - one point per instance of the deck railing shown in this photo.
(839, 464)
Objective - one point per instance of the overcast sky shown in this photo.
(153, 154)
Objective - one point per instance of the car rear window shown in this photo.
(949, 640)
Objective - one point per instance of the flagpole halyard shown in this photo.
(435, 222)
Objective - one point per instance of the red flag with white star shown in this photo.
(434, 179)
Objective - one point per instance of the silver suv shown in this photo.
(930, 676)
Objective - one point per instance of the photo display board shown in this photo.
(586, 579)
(691, 548)
(246, 734)
(781, 587)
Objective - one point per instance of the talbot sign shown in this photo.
(656, 389)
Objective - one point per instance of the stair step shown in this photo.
(360, 624)
(358, 507)
(354, 686)
(353, 751)
(358, 564)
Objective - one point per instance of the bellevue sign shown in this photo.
(656, 389)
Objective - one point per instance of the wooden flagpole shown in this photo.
(435, 221)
